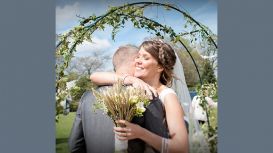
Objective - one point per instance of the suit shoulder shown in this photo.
(87, 95)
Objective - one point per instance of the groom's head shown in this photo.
(124, 59)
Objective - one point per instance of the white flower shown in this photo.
(140, 106)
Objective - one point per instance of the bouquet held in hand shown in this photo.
(121, 103)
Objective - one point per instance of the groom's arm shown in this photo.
(76, 140)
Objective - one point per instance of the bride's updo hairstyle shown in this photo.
(164, 55)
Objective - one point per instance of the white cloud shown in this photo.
(86, 48)
(66, 14)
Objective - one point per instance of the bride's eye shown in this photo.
(141, 57)
(145, 57)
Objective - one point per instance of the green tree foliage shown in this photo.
(191, 75)
(208, 73)
(82, 84)
(72, 76)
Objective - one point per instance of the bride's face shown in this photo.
(147, 66)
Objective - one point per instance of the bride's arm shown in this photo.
(178, 143)
(109, 78)
(104, 78)
(176, 125)
(177, 128)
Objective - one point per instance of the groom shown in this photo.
(92, 132)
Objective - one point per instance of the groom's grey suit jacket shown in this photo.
(92, 132)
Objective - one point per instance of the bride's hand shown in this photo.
(138, 83)
(130, 131)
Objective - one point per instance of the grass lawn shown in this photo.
(63, 128)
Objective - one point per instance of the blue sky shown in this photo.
(204, 11)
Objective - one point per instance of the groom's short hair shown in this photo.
(124, 55)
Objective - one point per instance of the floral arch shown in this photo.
(116, 17)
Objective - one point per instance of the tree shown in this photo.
(208, 73)
(72, 76)
(86, 65)
(89, 64)
(81, 85)
(190, 72)
(72, 67)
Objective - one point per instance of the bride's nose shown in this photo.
(138, 61)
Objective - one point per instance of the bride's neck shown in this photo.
(156, 84)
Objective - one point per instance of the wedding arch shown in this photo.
(116, 17)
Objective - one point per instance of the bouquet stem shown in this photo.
(120, 145)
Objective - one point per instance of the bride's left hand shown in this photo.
(130, 131)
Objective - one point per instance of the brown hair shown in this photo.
(124, 55)
(165, 56)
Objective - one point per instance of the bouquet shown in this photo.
(121, 103)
